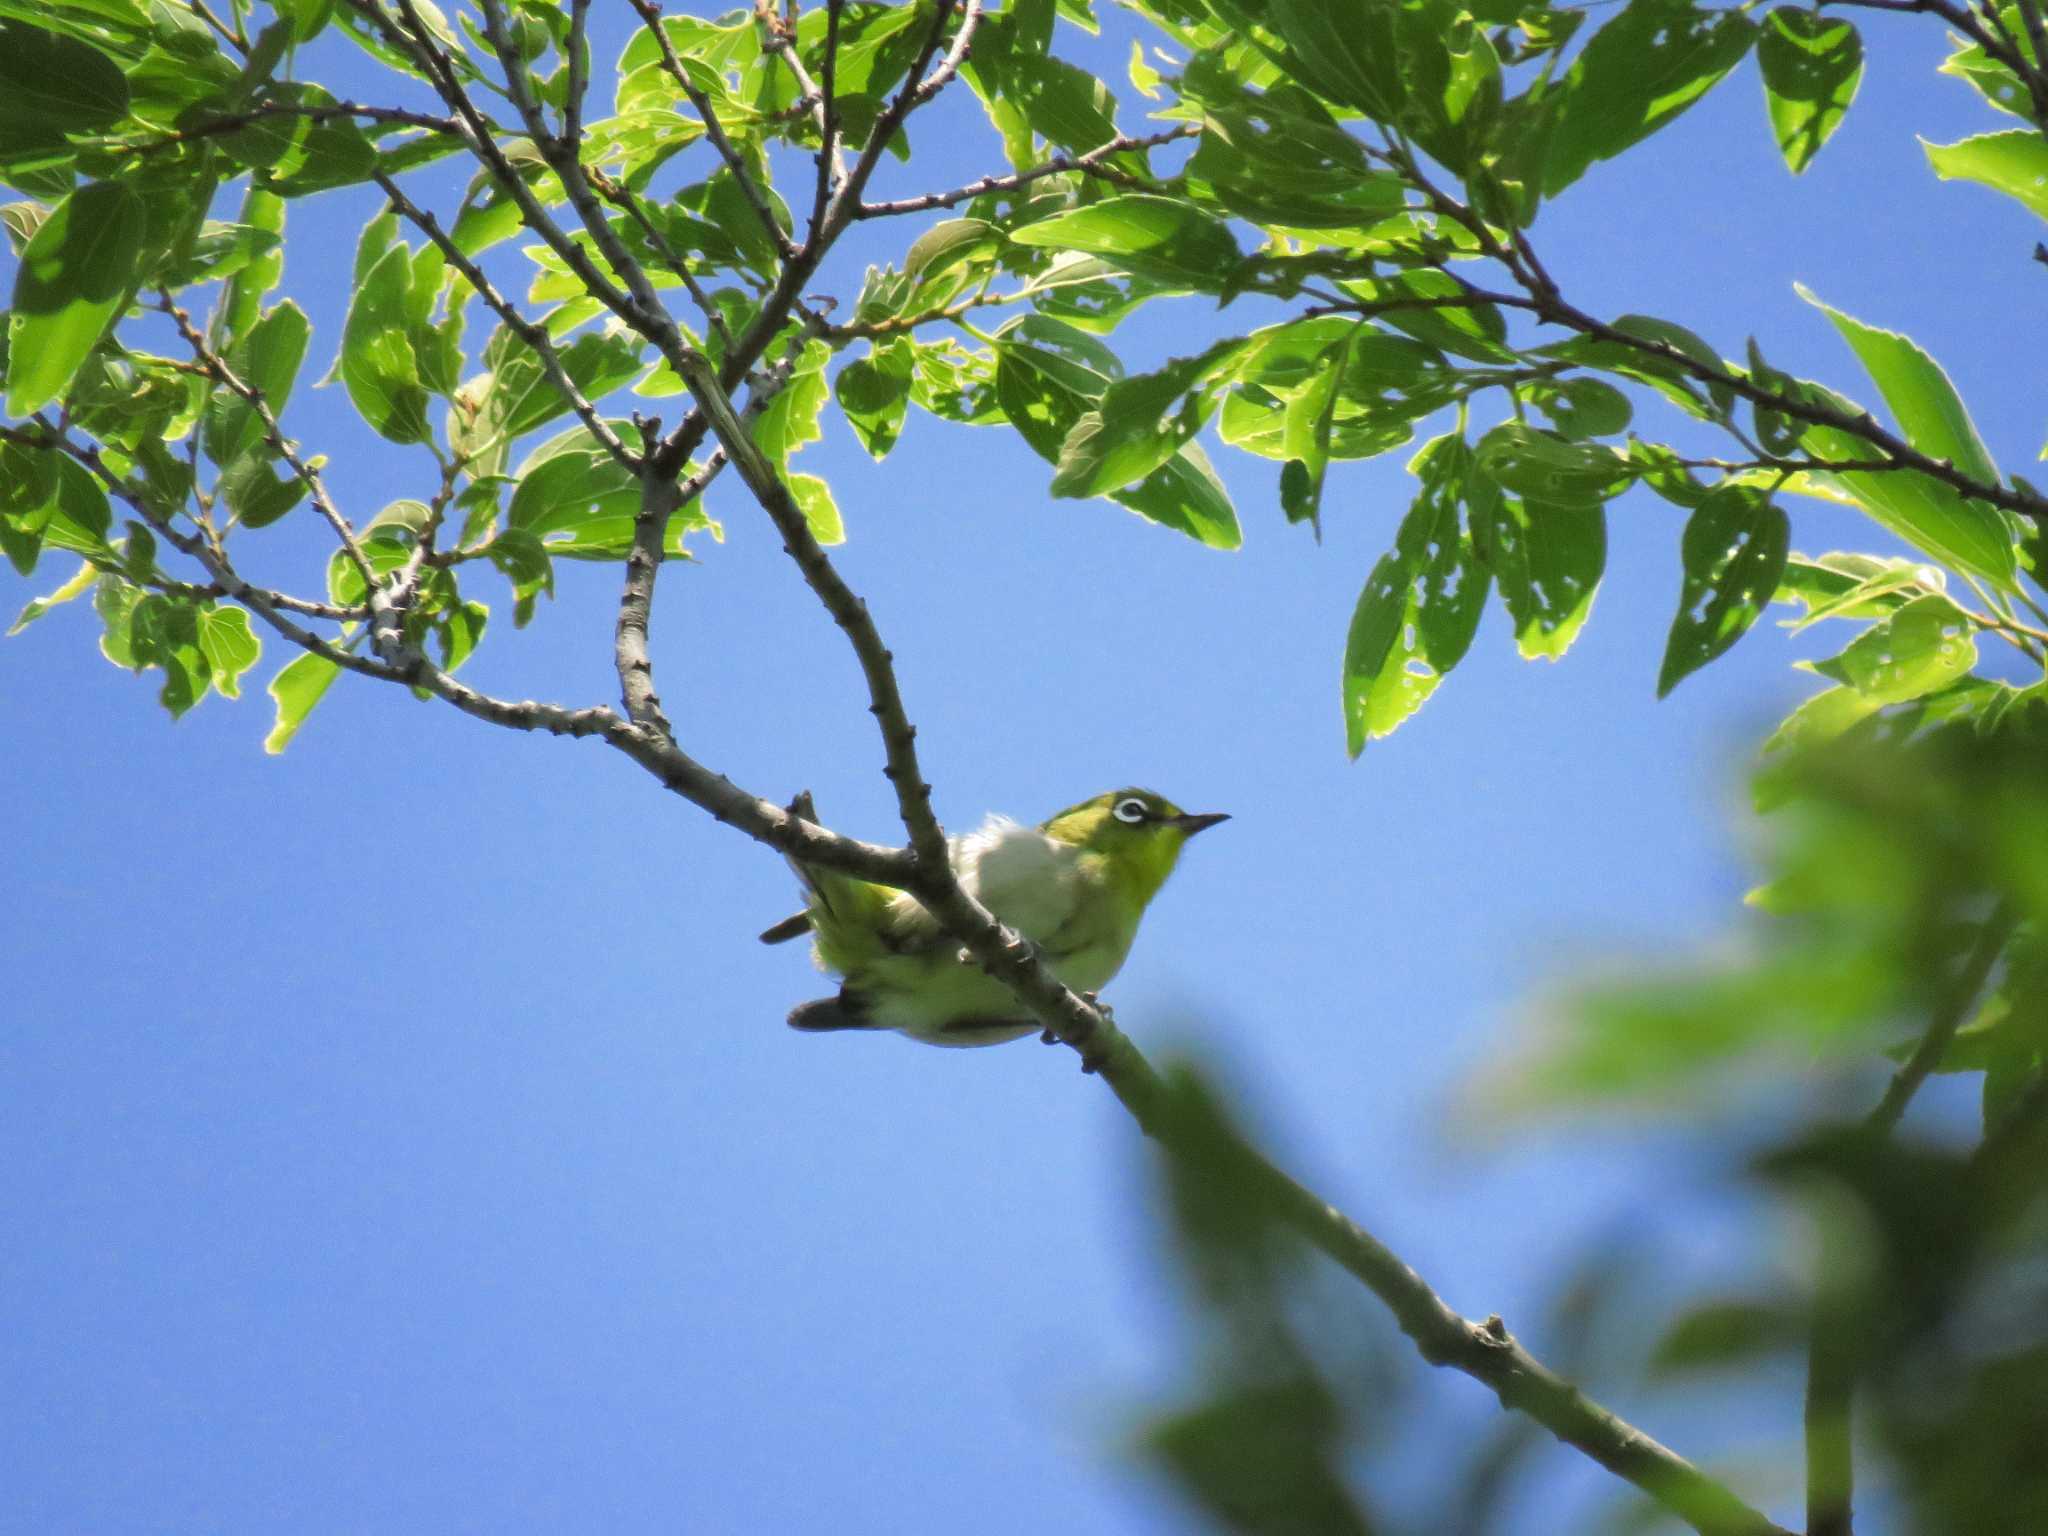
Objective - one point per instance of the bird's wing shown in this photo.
(1025, 878)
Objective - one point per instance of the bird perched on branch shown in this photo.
(1075, 886)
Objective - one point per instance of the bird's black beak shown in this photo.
(1193, 824)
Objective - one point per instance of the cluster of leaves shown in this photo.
(1351, 166)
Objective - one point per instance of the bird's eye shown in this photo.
(1132, 810)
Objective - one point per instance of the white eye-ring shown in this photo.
(1132, 810)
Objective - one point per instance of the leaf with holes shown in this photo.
(1421, 605)
(1548, 559)
(1734, 553)
(1926, 645)
(1811, 65)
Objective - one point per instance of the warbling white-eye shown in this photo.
(1075, 886)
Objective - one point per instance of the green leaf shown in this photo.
(1580, 408)
(1850, 586)
(378, 366)
(791, 419)
(1535, 463)
(1734, 552)
(527, 565)
(231, 648)
(1344, 51)
(256, 494)
(2014, 162)
(1280, 159)
(1640, 71)
(1926, 645)
(1919, 392)
(1421, 605)
(384, 551)
(1185, 495)
(1927, 513)
(77, 517)
(1548, 560)
(1158, 237)
(814, 498)
(297, 689)
(1720, 1334)
(315, 155)
(52, 86)
(874, 393)
(1811, 66)
(267, 359)
(1135, 426)
(75, 276)
(77, 586)
(242, 300)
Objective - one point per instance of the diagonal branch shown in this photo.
(256, 599)
(535, 336)
(273, 435)
(1090, 163)
(714, 130)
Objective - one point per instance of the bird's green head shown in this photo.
(1139, 835)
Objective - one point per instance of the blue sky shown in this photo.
(402, 1133)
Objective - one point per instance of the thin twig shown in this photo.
(256, 599)
(621, 197)
(273, 435)
(714, 130)
(645, 312)
(963, 43)
(535, 336)
(215, 126)
(1088, 164)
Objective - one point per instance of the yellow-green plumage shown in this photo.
(1076, 886)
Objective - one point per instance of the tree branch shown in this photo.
(273, 435)
(535, 336)
(714, 130)
(1088, 164)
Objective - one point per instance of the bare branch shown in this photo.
(963, 41)
(215, 126)
(1088, 164)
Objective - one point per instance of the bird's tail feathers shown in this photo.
(825, 1013)
(847, 913)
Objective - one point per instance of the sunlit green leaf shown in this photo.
(1146, 234)
(2014, 162)
(266, 359)
(1917, 389)
(1811, 66)
(1734, 551)
(1547, 560)
(52, 86)
(74, 277)
(814, 498)
(378, 364)
(231, 647)
(1925, 645)
(1640, 71)
(297, 688)
(1421, 605)
(80, 584)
